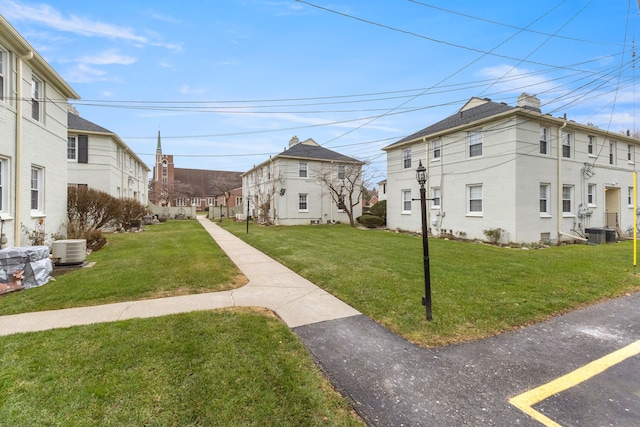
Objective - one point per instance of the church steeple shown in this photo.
(159, 148)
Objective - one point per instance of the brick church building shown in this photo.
(181, 187)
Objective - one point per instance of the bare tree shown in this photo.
(224, 187)
(345, 184)
(264, 187)
(167, 193)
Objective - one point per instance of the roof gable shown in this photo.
(309, 149)
(475, 109)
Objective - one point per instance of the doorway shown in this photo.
(612, 207)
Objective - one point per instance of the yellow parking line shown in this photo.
(526, 400)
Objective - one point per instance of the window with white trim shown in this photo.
(4, 58)
(612, 153)
(196, 201)
(211, 201)
(474, 139)
(37, 189)
(566, 144)
(72, 148)
(437, 148)
(591, 194)
(630, 196)
(406, 158)
(341, 172)
(591, 144)
(544, 140)
(474, 199)
(4, 187)
(181, 201)
(406, 201)
(545, 189)
(302, 170)
(238, 201)
(567, 199)
(630, 153)
(36, 98)
(303, 205)
(435, 197)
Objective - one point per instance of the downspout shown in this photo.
(559, 189)
(18, 153)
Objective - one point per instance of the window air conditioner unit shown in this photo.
(67, 252)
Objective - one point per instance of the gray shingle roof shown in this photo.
(75, 122)
(305, 151)
(462, 117)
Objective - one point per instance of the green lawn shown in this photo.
(167, 259)
(232, 367)
(477, 290)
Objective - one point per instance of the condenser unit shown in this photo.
(70, 251)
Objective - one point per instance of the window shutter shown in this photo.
(83, 149)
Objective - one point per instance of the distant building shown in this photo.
(181, 187)
(98, 158)
(286, 190)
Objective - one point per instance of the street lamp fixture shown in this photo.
(421, 177)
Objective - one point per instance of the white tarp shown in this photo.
(33, 260)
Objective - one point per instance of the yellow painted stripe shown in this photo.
(526, 400)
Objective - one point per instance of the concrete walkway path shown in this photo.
(271, 285)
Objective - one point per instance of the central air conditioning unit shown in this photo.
(68, 252)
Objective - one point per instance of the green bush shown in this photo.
(371, 221)
(380, 210)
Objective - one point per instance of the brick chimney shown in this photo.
(530, 102)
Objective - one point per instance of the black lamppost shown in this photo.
(421, 176)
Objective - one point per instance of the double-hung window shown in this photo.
(591, 195)
(544, 198)
(303, 205)
(474, 197)
(36, 101)
(612, 153)
(406, 201)
(302, 169)
(435, 197)
(72, 148)
(3, 73)
(406, 158)
(591, 144)
(566, 144)
(437, 148)
(4, 176)
(37, 189)
(474, 138)
(341, 172)
(630, 153)
(544, 140)
(567, 199)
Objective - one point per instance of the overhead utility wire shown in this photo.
(541, 44)
(426, 90)
(477, 18)
(411, 33)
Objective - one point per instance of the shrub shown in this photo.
(380, 210)
(371, 221)
(130, 210)
(493, 234)
(95, 240)
(89, 209)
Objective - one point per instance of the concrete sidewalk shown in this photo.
(271, 285)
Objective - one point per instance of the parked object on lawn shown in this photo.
(33, 261)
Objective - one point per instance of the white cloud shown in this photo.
(47, 15)
(510, 79)
(108, 57)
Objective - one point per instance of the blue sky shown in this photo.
(229, 82)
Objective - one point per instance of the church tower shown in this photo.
(163, 176)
